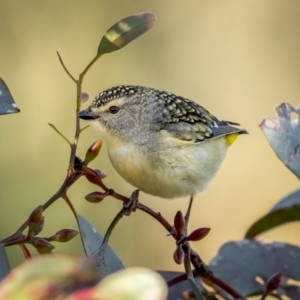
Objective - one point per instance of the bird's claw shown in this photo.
(132, 203)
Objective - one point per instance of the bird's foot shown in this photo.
(132, 203)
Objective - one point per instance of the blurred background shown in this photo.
(239, 59)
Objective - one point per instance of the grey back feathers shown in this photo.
(183, 118)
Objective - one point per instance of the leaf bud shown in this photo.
(197, 234)
(36, 215)
(178, 255)
(42, 246)
(273, 282)
(91, 175)
(38, 227)
(63, 235)
(179, 223)
(92, 152)
(35, 221)
(95, 197)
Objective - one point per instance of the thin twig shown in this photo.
(158, 217)
(52, 126)
(85, 127)
(65, 68)
(101, 251)
(25, 251)
(69, 203)
(77, 124)
(223, 285)
(188, 270)
(89, 65)
(212, 279)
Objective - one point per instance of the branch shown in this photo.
(65, 68)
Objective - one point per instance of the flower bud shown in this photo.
(197, 234)
(95, 197)
(35, 221)
(39, 227)
(63, 235)
(273, 283)
(42, 246)
(178, 255)
(92, 152)
(91, 175)
(179, 223)
(36, 215)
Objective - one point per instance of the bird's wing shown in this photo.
(186, 120)
(199, 131)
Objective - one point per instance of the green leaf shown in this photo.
(283, 134)
(286, 210)
(239, 263)
(125, 31)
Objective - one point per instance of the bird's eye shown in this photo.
(114, 109)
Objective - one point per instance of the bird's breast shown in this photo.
(171, 171)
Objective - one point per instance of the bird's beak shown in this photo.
(86, 115)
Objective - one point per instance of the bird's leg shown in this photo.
(188, 212)
(132, 203)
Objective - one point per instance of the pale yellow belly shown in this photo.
(170, 172)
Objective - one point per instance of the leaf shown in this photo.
(286, 210)
(47, 277)
(175, 291)
(7, 103)
(283, 135)
(92, 241)
(84, 97)
(292, 291)
(4, 265)
(238, 263)
(125, 31)
(134, 284)
(197, 293)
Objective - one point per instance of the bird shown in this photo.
(165, 145)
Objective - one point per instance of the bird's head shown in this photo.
(126, 113)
